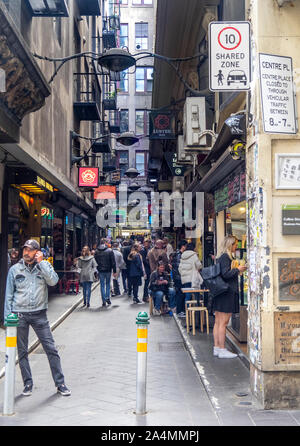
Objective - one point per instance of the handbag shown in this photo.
(197, 280)
(213, 280)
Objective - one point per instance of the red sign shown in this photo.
(88, 176)
(105, 193)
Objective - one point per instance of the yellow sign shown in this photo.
(43, 183)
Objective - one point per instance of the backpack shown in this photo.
(213, 280)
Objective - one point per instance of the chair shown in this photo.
(193, 310)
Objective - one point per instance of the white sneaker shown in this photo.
(156, 312)
(216, 351)
(223, 353)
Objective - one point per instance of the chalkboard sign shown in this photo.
(233, 192)
(287, 337)
(289, 279)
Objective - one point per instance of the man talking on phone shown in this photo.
(27, 295)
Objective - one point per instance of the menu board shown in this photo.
(289, 278)
(232, 192)
(287, 337)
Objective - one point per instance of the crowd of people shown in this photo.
(141, 268)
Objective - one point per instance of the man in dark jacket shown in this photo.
(180, 308)
(144, 252)
(105, 259)
(127, 244)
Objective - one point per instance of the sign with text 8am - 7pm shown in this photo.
(230, 56)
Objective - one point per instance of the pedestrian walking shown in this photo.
(189, 268)
(127, 245)
(159, 287)
(168, 247)
(106, 265)
(135, 271)
(27, 295)
(156, 254)
(88, 267)
(180, 306)
(226, 303)
(144, 252)
(120, 264)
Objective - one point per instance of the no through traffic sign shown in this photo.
(230, 56)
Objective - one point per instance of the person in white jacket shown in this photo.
(189, 268)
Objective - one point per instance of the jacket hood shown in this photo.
(187, 255)
(86, 258)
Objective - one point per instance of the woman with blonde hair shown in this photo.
(226, 303)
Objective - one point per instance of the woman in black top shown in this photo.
(227, 303)
(136, 271)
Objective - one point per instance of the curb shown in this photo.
(34, 344)
(213, 400)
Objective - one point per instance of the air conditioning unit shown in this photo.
(183, 157)
(194, 122)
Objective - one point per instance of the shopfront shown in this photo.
(230, 210)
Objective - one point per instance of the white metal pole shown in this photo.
(11, 323)
(142, 322)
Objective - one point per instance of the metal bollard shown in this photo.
(11, 323)
(142, 322)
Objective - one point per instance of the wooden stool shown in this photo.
(193, 310)
(188, 304)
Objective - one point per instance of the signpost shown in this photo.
(277, 94)
(230, 56)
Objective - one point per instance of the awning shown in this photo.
(223, 167)
(233, 128)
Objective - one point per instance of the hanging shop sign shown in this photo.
(290, 219)
(176, 169)
(229, 56)
(44, 184)
(105, 193)
(277, 94)
(162, 125)
(287, 171)
(88, 176)
(289, 278)
(232, 192)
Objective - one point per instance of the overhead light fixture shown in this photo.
(132, 172)
(116, 59)
(134, 186)
(127, 139)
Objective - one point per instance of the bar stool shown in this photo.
(193, 310)
(151, 305)
(189, 303)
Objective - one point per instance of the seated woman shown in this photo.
(159, 287)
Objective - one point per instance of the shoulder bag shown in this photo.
(213, 280)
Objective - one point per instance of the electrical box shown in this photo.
(178, 184)
(183, 157)
(194, 122)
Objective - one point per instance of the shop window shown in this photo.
(142, 2)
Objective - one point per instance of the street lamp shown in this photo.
(127, 139)
(116, 59)
(134, 186)
(132, 172)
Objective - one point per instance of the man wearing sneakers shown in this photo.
(105, 259)
(27, 296)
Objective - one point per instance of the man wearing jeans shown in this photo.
(27, 295)
(105, 259)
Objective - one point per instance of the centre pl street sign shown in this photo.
(230, 56)
(277, 94)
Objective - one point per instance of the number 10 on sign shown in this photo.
(229, 53)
